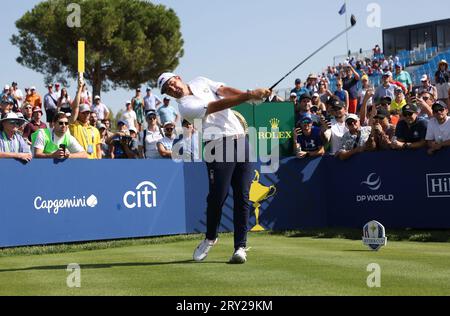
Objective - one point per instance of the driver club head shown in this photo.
(353, 20)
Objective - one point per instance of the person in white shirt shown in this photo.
(438, 130)
(150, 137)
(151, 101)
(17, 94)
(211, 102)
(338, 127)
(129, 116)
(166, 143)
(100, 109)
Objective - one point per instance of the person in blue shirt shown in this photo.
(167, 113)
(307, 139)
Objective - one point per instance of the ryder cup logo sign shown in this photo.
(143, 196)
(374, 235)
(373, 183)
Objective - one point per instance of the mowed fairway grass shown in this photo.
(277, 265)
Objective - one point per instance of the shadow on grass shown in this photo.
(418, 235)
(112, 265)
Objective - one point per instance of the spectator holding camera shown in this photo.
(438, 131)
(307, 139)
(411, 131)
(165, 144)
(381, 132)
(354, 141)
(150, 137)
(57, 143)
(12, 144)
(124, 146)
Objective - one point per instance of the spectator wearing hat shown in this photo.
(442, 79)
(17, 94)
(311, 83)
(167, 113)
(124, 145)
(293, 98)
(334, 133)
(6, 104)
(50, 104)
(324, 93)
(354, 141)
(151, 101)
(34, 98)
(397, 104)
(317, 106)
(100, 109)
(88, 136)
(64, 101)
(298, 90)
(165, 144)
(427, 87)
(34, 124)
(129, 116)
(342, 94)
(150, 137)
(57, 143)
(12, 144)
(186, 144)
(438, 130)
(386, 89)
(307, 138)
(382, 131)
(350, 84)
(137, 104)
(403, 77)
(410, 131)
(304, 107)
(27, 111)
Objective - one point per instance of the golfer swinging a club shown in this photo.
(210, 102)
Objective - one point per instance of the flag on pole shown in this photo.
(343, 9)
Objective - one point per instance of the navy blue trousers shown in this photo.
(222, 174)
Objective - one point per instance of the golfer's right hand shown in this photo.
(259, 94)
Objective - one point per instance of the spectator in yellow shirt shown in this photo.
(87, 135)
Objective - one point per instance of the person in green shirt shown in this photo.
(403, 77)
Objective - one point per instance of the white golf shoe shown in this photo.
(201, 252)
(239, 256)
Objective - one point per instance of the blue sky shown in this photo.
(247, 43)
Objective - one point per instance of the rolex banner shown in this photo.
(273, 121)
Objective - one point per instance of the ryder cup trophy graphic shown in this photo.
(259, 193)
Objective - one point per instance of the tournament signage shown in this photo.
(374, 235)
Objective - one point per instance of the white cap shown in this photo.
(352, 117)
(97, 97)
(293, 94)
(424, 78)
(33, 88)
(128, 102)
(163, 79)
(169, 123)
(6, 87)
(316, 95)
(387, 73)
(133, 129)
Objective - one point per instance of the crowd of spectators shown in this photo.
(360, 115)
(81, 127)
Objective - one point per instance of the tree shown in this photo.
(128, 42)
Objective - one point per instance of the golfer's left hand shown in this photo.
(260, 94)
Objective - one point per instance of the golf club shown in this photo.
(352, 22)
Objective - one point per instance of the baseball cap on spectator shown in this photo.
(381, 113)
(162, 80)
(50, 85)
(127, 102)
(386, 99)
(7, 100)
(85, 108)
(312, 76)
(424, 78)
(293, 95)
(102, 126)
(121, 122)
(298, 81)
(305, 95)
(26, 105)
(387, 73)
(168, 123)
(32, 88)
(398, 65)
(6, 87)
(97, 97)
(36, 109)
(365, 77)
(410, 108)
(166, 99)
(335, 103)
(185, 122)
(439, 105)
(138, 89)
(305, 119)
(132, 129)
(149, 89)
(316, 95)
(150, 113)
(14, 84)
(352, 117)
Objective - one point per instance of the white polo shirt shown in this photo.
(438, 132)
(216, 125)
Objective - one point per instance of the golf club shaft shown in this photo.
(307, 58)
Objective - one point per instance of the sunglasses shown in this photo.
(16, 123)
(151, 118)
(438, 111)
(63, 123)
(408, 114)
(169, 129)
(425, 98)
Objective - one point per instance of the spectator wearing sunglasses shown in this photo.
(57, 143)
(165, 144)
(307, 139)
(438, 132)
(12, 144)
(411, 131)
(425, 102)
(354, 141)
(150, 137)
